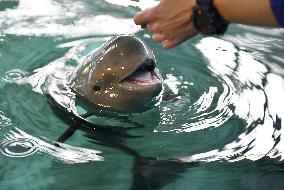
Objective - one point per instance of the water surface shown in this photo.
(225, 130)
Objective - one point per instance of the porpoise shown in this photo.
(120, 76)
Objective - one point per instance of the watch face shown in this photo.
(208, 21)
(202, 20)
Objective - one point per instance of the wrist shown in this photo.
(219, 5)
(207, 19)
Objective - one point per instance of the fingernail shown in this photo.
(154, 36)
(165, 44)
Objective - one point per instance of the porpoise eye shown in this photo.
(96, 88)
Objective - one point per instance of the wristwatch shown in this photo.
(206, 18)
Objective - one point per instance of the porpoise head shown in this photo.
(120, 76)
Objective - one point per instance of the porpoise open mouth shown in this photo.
(145, 74)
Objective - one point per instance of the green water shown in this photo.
(224, 132)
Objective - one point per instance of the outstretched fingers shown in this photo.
(169, 21)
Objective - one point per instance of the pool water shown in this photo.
(223, 132)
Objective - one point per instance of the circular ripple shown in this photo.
(14, 75)
(18, 147)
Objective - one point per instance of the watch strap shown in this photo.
(204, 2)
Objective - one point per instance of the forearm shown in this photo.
(251, 12)
(171, 20)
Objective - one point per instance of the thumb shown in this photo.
(143, 17)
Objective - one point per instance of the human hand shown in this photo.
(170, 21)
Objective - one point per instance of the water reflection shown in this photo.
(141, 4)
(4, 120)
(253, 98)
(211, 109)
(69, 18)
(18, 143)
(148, 172)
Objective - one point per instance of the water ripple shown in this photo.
(4, 121)
(212, 108)
(18, 147)
(14, 75)
(18, 143)
(249, 87)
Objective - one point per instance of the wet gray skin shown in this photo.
(120, 76)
